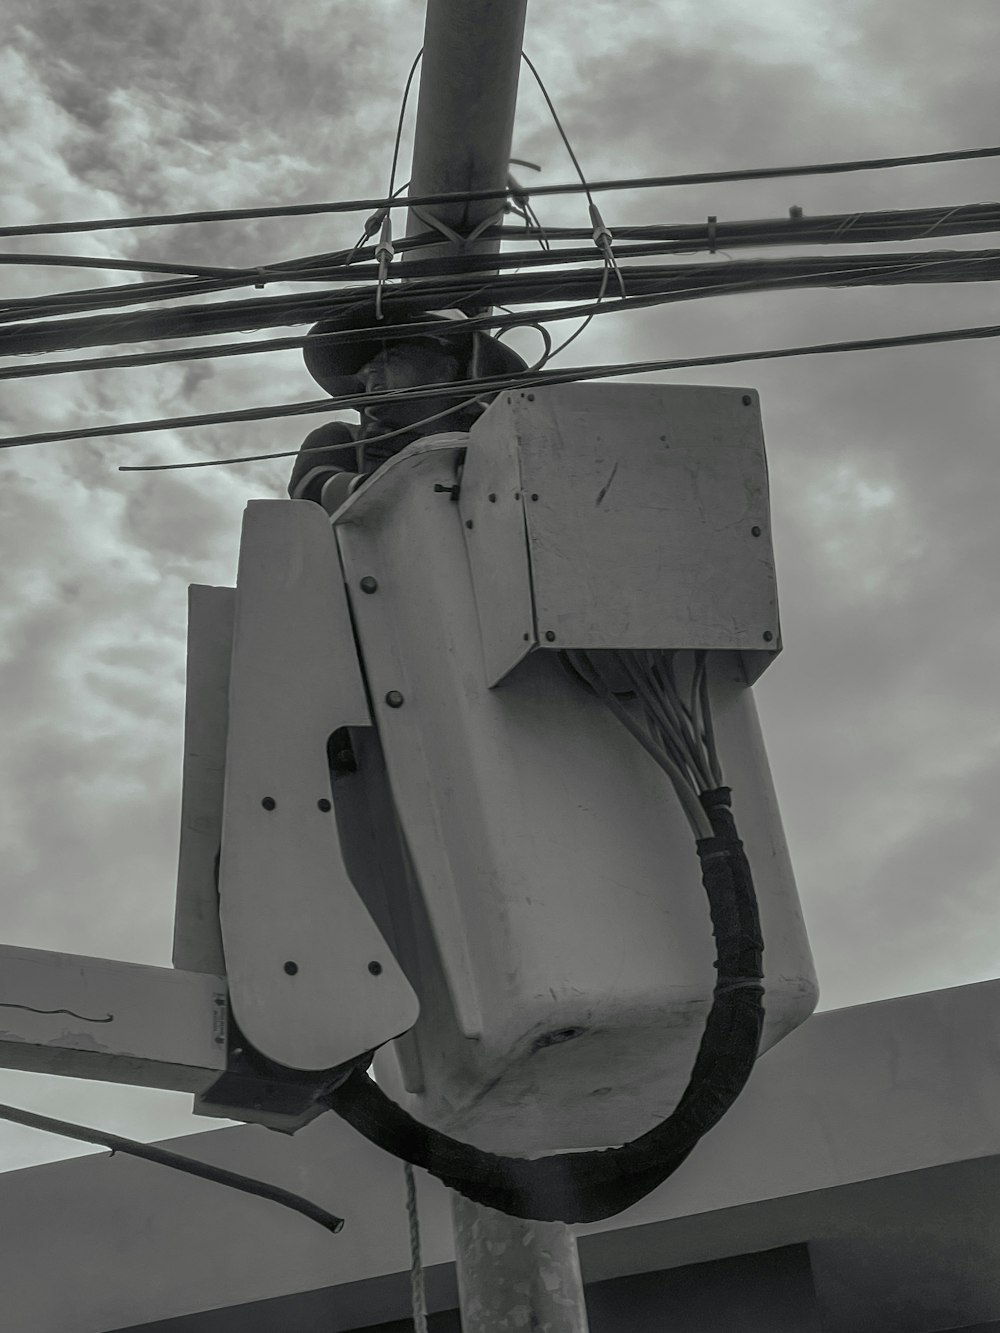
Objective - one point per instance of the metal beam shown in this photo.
(156, 1027)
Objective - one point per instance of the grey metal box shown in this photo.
(621, 516)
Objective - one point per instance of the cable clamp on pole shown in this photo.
(384, 252)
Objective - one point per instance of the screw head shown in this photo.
(323, 804)
(531, 397)
(492, 497)
(468, 522)
(768, 636)
(550, 634)
(375, 969)
(269, 803)
(369, 584)
(291, 968)
(755, 531)
(747, 400)
(394, 699)
(534, 497)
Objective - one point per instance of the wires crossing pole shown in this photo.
(511, 1273)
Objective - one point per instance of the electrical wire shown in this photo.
(529, 379)
(162, 1157)
(651, 239)
(559, 126)
(676, 734)
(601, 234)
(293, 453)
(124, 265)
(399, 123)
(655, 239)
(470, 196)
(672, 282)
(583, 663)
(525, 319)
(573, 336)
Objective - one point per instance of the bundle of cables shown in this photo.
(587, 1186)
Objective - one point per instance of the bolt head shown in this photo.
(747, 400)
(755, 531)
(369, 584)
(768, 636)
(468, 522)
(269, 803)
(550, 634)
(394, 699)
(375, 969)
(291, 968)
(323, 804)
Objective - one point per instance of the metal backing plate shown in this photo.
(311, 979)
(197, 940)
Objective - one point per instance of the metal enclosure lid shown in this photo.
(621, 516)
(312, 981)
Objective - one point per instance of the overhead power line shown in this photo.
(667, 282)
(632, 242)
(531, 379)
(468, 196)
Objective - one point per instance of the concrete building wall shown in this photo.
(870, 1134)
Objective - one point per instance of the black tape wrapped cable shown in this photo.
(589, 1186)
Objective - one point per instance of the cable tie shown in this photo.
(262, 276)
(712, 220)
(485, 225)
(437, 225)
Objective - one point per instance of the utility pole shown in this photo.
(512, 1274)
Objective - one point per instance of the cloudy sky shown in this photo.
(880, 716)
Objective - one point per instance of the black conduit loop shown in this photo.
(590, 1186)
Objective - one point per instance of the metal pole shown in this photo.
(465, 114)
(512, 1274)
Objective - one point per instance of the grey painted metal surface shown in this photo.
(156, 1027)
(197, 938)
(621, 516)
(515, 1275)
(565, 963)
(312, 982)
